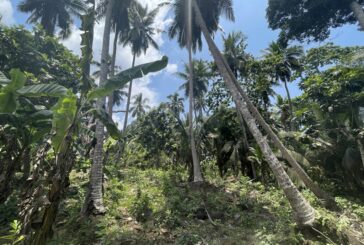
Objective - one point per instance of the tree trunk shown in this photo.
(94, 204)
(243, 129)
(87, 38)
(246, 143)
(304, 213)
(357, 9)
(60, 182)
(112, 73)
(129, 97)
(197, 175)
(361, 150)
(290, 106)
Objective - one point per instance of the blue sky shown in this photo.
(250, 19)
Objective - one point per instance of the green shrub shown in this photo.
(188, 239)
(14, 236)
(140, 208)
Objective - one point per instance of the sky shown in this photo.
(250, 19)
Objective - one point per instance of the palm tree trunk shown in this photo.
(95, 202)
(87, 26)
(357, 9)
(129, 97)
(243, 129)
(246, 142)
(112, 73)
(197, 175)
(290, 106)
(304, 213)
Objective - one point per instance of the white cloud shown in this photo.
(172, 68)
(6, 11)
(74, 41)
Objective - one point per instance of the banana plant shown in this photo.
(21, 124)
(67, 115)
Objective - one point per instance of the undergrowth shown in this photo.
(160, 207)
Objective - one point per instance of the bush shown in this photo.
(140, 208)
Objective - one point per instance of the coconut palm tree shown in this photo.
(94, 201)
(140, 105)
(207, 19)
(53, 13)
(188, 35)
(139, 37)
(200, 83)
(234, 51)
(175, 104)
(285, 62)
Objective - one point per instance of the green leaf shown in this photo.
(7, 102)
(39, 90)
(122, 78)
(41, 115)
(110, 125)
(7, 93)
(63, 116)
(17, 81)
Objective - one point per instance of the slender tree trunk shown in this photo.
(357, 9)
(246, 142)
(129, 97)
(243, 129)
(197, 175)
(112, 73)
(290, 106)
(304, 213)
(87, 26)
(361, 150)
(95, 203)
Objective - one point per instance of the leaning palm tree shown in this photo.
(139, 37)
(52, 14)
(285, 62)
(206, 19)
(200, 83)
(140, 106)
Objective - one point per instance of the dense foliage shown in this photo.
(271, 168)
